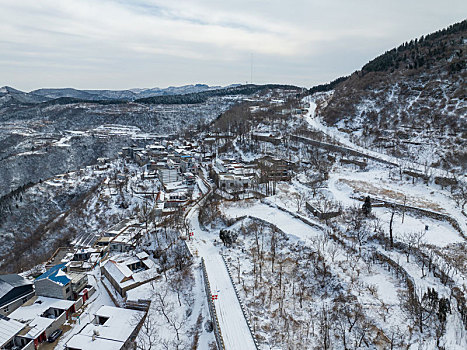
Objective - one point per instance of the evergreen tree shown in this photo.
(366, 207)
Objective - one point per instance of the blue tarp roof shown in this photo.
(51, 274)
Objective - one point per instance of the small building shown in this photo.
(167, 176)
(274, 138)
(229, 182)
(127, 272)
(126, 240)
(189, 178)
(176, 199)
(188, 164)
(112, 328)
(59, 283)
(103, 163)
(103, 241)
(42, 316)
(275, 169)
(9, 335)
(323, 215)
(84, 254)
(14, 292)
(141, 157)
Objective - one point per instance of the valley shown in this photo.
(243, 217)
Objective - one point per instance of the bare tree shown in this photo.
(412, 240)
(299, 199)
(167, 309)
(180, 281)
(148, 338)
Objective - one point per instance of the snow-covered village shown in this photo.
(238, 217)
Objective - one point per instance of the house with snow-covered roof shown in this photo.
(9, 335)
(42, 316)
(112, 328)
(15, 290)
(125, 272)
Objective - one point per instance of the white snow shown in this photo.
(234, 328)
(282, 220)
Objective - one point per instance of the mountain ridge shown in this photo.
(47, 94)
(409, 101)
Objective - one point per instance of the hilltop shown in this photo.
(409, 102)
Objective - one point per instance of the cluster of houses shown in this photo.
(174, 164)
(233, 176)
(31, 312)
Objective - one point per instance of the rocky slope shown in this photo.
(410, 101)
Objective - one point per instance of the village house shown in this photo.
(107, 236)
(232, 176)
(9, 335)
(189, 178)
(126, 272)
(84, 259)
(156, 151)
(323, 214)
(59, 283)
(102, 163)
(14, 292)
(188, 164)
(272, 137)
(111, 329)
(176, 199)
(127, 239)
(42, 316)
(80, 259)
(229, 182)
(141, 157)
(168, 175)
(275, 169)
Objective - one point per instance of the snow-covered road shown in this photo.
(233, 325)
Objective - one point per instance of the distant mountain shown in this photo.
(127, 95)
(10, 95)
(65, 92)
(409, 101)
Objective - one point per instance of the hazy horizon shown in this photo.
(118, 45)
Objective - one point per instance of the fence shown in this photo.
(240, 302)
(212, 309)
(432, 214)
(340, 149)
(140, 304)
(295, 215)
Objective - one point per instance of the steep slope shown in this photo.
(409, 102)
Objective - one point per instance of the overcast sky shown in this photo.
(119, 44)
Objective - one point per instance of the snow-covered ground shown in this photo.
(316, 123)
(344, 184)
(284, 221)
(87, 312)
(234, 328)
(194, 309)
